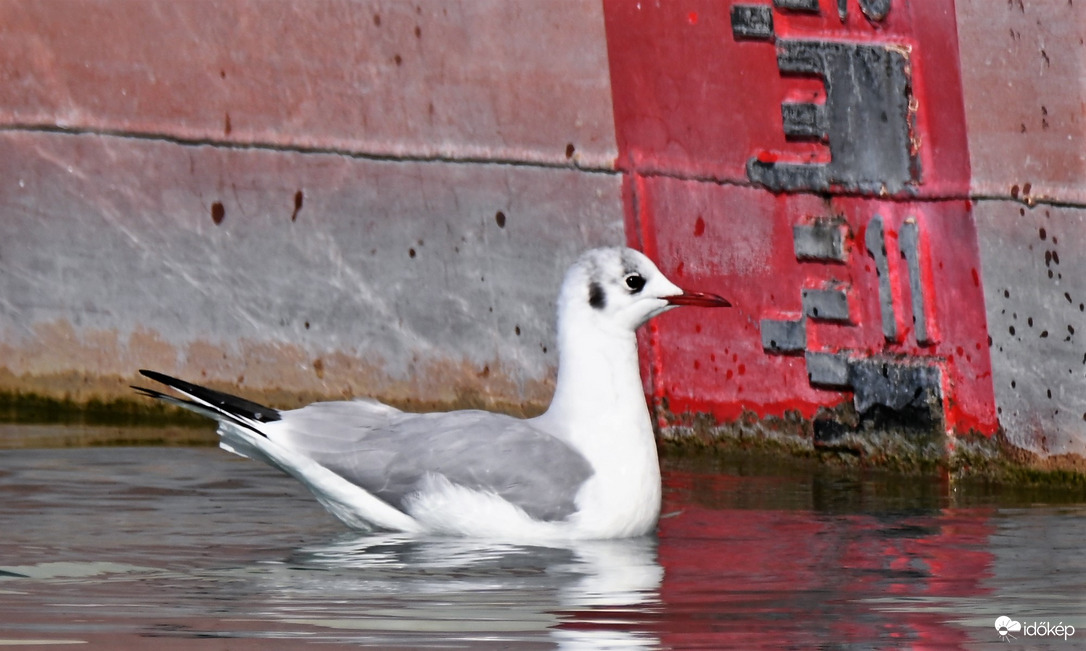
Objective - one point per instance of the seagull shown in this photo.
(587, 468)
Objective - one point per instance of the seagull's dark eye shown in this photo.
(635, 282)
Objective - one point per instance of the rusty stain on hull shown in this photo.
(99, 365)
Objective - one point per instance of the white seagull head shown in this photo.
(619, 289)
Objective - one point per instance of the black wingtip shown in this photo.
(224, 401)
(150, 393)
(158, 377)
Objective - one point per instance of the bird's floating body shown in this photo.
(587, 468)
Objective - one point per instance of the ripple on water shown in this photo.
(111, 546)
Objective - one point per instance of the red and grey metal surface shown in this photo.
(810, 161)
(892, 191)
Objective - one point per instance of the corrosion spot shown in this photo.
(1014, 188)
(570, 150)
(398, 59)
(699, 227)
(318, 368)
(418, 32)
(411, 253)
(376, 20)
(1043, 233)
(217, 212)
(298, 198)
(226, 128)
(517, 330)
(499, 218)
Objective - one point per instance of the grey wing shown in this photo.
(332, 432)
(390, 454)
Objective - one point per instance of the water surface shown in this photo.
(156, 547)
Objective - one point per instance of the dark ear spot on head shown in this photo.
(596, 297)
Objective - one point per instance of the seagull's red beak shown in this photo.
(698, 299)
